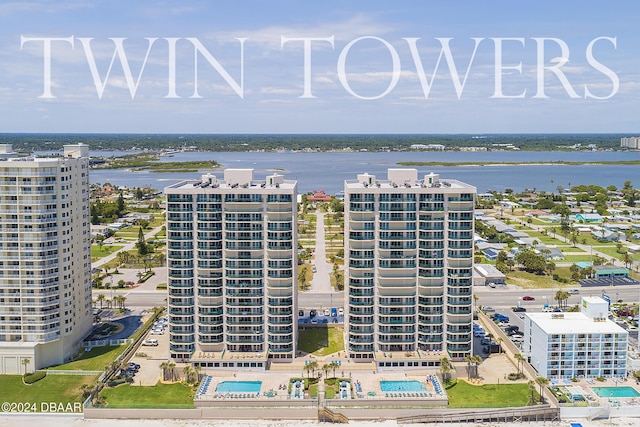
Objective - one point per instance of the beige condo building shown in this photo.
(45, 258)
(408, 269)
(232, 268)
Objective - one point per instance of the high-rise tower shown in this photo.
(45, 258)
(408, 268)
(232, 267)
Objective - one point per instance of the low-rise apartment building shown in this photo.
(583, 344)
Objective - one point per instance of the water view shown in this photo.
(327, 171)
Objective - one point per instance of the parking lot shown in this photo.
(149, 357)
(320, 316)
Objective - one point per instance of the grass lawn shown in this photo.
(546, 239)
(52, 388)
(613, 251)
(160, 395)
(576, 258)
(95, 360)
(465, 395)
(320, 341)
(331, 386)
(98, 252)
(530, 280)
(308, 275)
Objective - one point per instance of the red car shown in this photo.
(528, 298)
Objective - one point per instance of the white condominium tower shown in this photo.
(45, 258)
(232, 268)
(408, 266)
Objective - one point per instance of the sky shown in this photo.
(335, 66)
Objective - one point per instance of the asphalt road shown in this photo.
(502, 298)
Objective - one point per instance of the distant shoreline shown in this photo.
(556, 163)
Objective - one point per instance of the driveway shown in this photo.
(321, 282)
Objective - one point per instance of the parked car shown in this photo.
(491, 348)
(489, 309)
(528, 298)
(312, 313)
(314, 269)
(334, 312)
(500, 318)
(300, 313)
(340, 311)
(327, 312)
(150, 342)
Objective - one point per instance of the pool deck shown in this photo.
(275, 384)
(593, 399)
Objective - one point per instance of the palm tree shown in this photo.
(532, 387)
(196, 371)
(334, 365)
(326, 368)
(25, 362)
(627, 259)
(520, 360)
(309, 367)
(562, 297)
(542, 381)
(302, 278)
(469, 359)
(165, 368)
(187, 373)
(100, 299)
(477, 360)
(445, 368)
(574, 237)
(172, 371)
(499, 341)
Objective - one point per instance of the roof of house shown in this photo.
(488, 270)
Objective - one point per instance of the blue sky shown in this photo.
(367, 80)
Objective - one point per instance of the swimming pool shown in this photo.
(239, 387)
(402, 386)
(623, 391)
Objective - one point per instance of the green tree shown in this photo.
(326, 368)
(445, 369)
(520, 361)
(120, 204)
(562, 297)
(142, 244)
(165, 370)
(100, 299)
(334, 365)
(542, 381)
(25, 362)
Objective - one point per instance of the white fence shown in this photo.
(102, 343)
